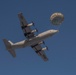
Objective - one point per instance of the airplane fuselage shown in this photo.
(40, 37)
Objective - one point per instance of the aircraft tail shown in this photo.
(8, 45)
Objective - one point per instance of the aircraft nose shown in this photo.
(55, 31)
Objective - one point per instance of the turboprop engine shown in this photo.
(45, 48)
(35, 30)
(31, 24)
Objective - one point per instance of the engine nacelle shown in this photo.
(31, 24)
(35, 30)
(45, 48)
(42, 42)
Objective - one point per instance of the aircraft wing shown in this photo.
(24, 25)
(39, 51)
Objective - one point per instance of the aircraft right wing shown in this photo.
(40, 51)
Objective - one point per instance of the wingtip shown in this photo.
(20, 13)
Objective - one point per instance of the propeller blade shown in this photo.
(47, 47)
(33, 23)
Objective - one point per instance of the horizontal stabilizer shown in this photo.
(8, 45)
(12, 52)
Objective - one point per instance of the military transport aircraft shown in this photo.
(32, 40)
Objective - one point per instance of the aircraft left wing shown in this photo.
(40, 51)
(28, 32)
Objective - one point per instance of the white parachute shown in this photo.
(57, 18)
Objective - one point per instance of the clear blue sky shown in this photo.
(62, 46)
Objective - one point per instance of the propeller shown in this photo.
(33, 23)
(43, 42)
(46, 47)
(36, 29)
(34, 26)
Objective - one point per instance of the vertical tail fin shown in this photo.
(8, 45)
